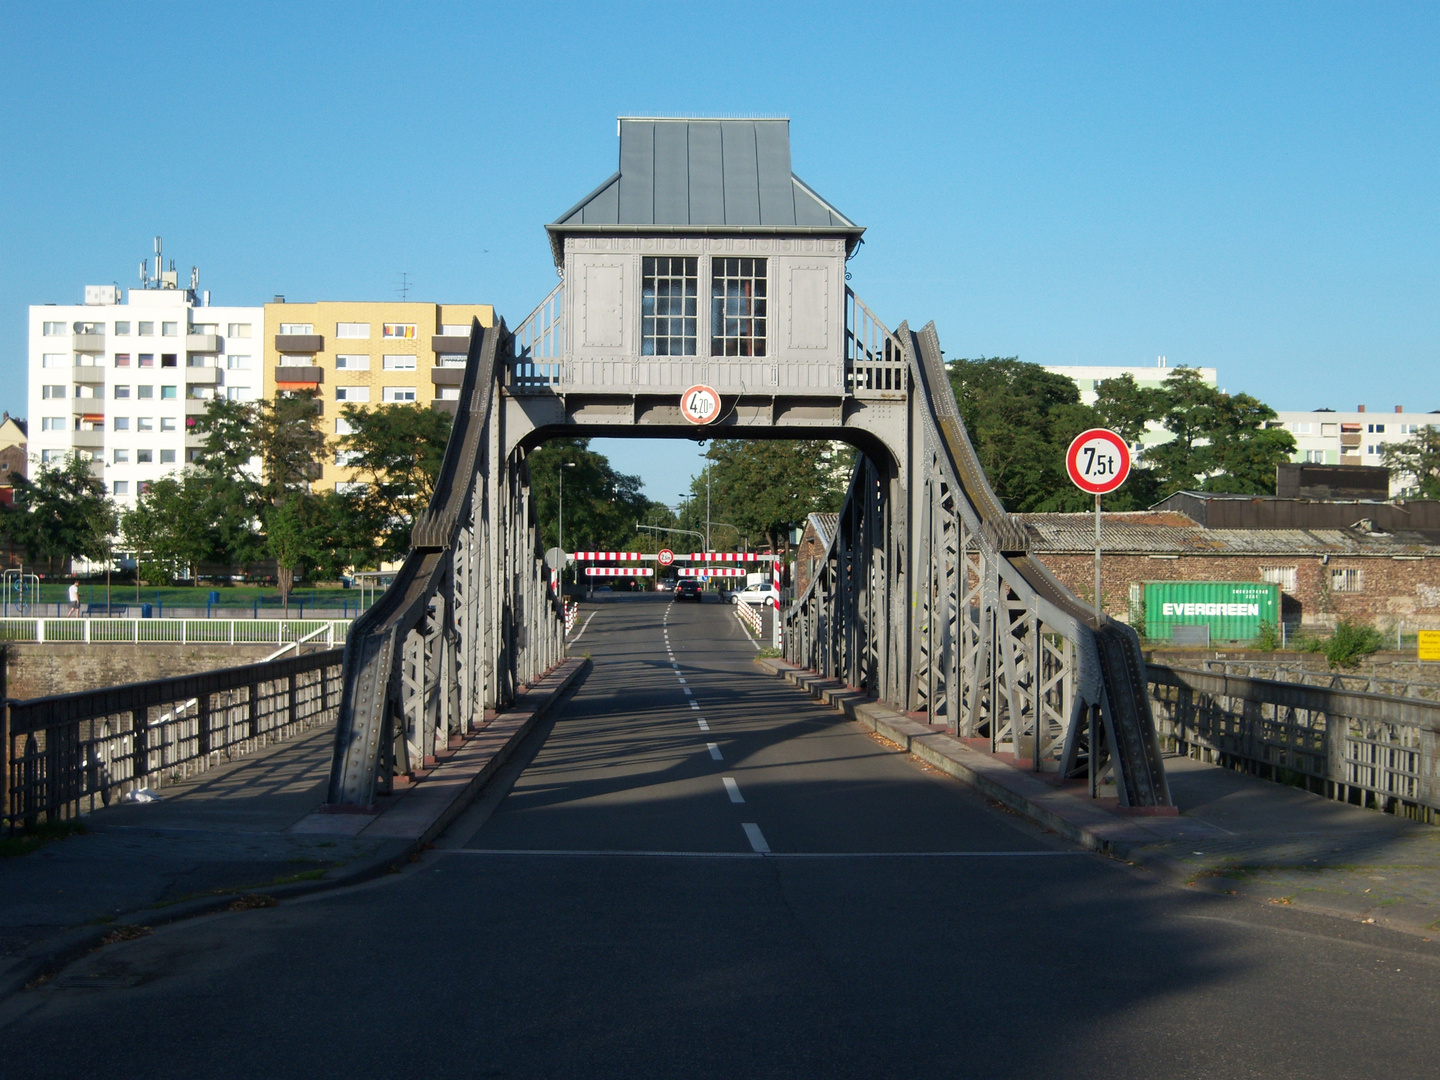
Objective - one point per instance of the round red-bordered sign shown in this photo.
(700, 404)
(666, 556)
(1098, 461)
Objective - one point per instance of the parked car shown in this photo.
(689, 589)
(757, 592)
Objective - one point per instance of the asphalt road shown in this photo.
(616, 915)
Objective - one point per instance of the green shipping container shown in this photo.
(1233, 610)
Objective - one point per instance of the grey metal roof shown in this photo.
(1168, 533)
(703, 176)
(824, 526)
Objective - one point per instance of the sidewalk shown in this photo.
(248, 832)
(1234, 834)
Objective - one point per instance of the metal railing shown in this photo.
(68, 754)
(1375, 750)
(540, 345)
(874, 360)
(1297, 671)
(751, 618)
(171, 631)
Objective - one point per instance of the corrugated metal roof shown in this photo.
(825, 526)
(679, 175)
(1151, 533)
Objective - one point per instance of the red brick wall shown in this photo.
(1391, 589)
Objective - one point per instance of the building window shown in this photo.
(146, 329)
(350, 362)
(669, 306)
(142, 487)
(49, 393)
(169, 329)
(55, 360)
(398, 363)
(1375, 449)
(122, 457)
(295, 360)
(1346, 581)
(343, 426)
(302, 328)
(1284, 576)
(121, 423)
(53, 423)
(352, 393)
(147, 359)
(1375, 429)
(1409, 429)
(167, 457)
(167, 423)
(120, 487)
(352, 329)
(144, 423)
(449, 393)
(48, 457)
(145, 391)
(452, 360)
(205, 328)
(737, 307)
(55, 329)
(346, 458)
(237, 363)
(144, 457)
(122, 329)
(398, 330)
(238, 330)
(167, 393)
(351, 487)
(200, 361)
(168, 360)
(237, 393)
(1301, 428)
(398, 393)
(122, 359)
(122, 391)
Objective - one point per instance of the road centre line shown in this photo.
(714, 749)
(756, 838)
(732, 789)
(703, 725)
(694, 704)
(590, 854)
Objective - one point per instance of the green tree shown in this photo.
(1127, 408)
(1021, 419)
(396, 451)
(61, 513)
(763, 487)
(290, 533)
(173, 523)
(601, 505)
(1219, 442)
(1418, 457)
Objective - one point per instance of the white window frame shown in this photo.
(388, 395)
(400, 362)
(352, 393)
(353, 331)
(352, 362)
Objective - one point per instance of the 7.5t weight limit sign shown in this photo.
(1098, 461)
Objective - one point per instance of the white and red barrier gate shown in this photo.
(710, 571)
(618, 571)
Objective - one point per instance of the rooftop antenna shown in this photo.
(158, 246)
(144, 273)
(404, 289)
(194, 278)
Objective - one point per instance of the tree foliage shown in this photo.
(602, 506)
(61, 512)
(396, 451)
(764, 487)
(1418, 457)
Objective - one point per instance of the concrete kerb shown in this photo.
(1087, 826)
(47, 958)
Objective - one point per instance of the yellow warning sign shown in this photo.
(1429, 644)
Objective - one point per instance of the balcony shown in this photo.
(89, 440)
(88, 373)
(445, 406)
(197, 406)
(88, 343)
(97, 469)
(299, 343)
(87, 406)
(202, 343)
(450, 344)
(202, 376)
(299, 376)
(447, 376)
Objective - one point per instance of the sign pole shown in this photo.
(1097, 562)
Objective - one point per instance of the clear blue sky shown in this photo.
(1247, 186)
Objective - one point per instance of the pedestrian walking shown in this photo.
(74, 598)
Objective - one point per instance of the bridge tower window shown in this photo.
(670, 298)
(738, 307)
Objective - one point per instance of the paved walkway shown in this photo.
(1235, 833)
(248, 831)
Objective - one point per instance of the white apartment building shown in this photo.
(1327, 437)
(124, 382)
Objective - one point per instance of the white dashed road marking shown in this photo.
(733, 789)
(756, 838)
(703, 725)
(715, 751)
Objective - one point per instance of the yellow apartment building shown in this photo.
(368, 353)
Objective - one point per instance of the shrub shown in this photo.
(1267, 638)
(1350, 642)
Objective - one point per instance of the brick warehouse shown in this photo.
(1324, 574)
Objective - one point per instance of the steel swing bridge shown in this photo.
(926, 597)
